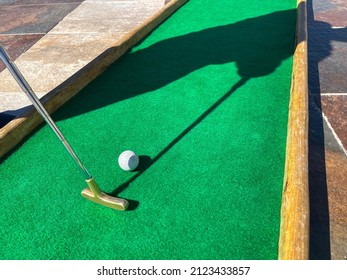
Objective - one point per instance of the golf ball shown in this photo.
(128, 160)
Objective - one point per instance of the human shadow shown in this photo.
(320, 38)
(257, 46)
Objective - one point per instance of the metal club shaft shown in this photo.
(93, 192)
(17, 75)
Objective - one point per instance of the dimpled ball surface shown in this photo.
(128, 160)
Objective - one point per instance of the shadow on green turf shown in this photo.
(257, 46)
(148, 162)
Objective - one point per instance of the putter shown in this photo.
(93, 191)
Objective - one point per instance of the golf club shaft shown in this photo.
(40, 108)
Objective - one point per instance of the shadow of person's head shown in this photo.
(257, 46)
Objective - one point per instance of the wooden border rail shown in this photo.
(294, 228)
(15, 131)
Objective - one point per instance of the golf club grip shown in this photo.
(17, 75)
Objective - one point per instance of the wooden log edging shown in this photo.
(16, 130)
(295, 212)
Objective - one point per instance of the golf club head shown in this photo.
(94, 194)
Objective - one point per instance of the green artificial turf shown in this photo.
(204, 101)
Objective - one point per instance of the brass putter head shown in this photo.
(94, 194)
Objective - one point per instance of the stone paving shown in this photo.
(23, 23)
(327, 46)
(55, 39)
(66, 52)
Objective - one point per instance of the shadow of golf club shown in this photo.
(146, 162)
(168, 60)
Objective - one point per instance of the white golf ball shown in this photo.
(128, 160)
